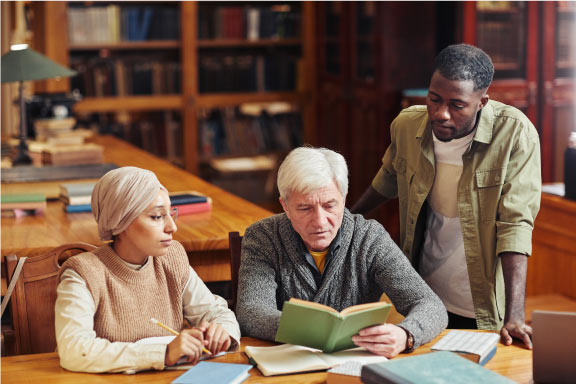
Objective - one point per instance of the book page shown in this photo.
(313, 305)
(362, 307)
(359, 355)
(478, 343)
(286, 358)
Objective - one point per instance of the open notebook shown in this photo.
(288, 358)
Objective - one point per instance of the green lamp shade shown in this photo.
(27, 64)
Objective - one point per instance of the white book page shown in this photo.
(355, 354)
(286, 358)
(479, 343)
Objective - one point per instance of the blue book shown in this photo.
(214, 373)
(188, 197)
(78, 208)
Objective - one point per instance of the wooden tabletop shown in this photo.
(513, 362)
(205, 232)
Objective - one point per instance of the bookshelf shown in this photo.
(532, 48)
(207, 43)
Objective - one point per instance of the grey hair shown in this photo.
(306, 169)
(462, 62)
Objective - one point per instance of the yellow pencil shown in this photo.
(155, 321)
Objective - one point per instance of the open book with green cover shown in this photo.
(319, 326)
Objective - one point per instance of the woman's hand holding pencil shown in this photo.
(189, 343)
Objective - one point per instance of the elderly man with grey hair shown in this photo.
(318, 251)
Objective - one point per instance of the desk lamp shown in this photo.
(24, 64)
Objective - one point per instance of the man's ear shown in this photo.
(284, 206)
(484, 100)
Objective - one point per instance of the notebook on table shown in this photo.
(554, 346)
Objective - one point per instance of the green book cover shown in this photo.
(435, 367)
(318, 326)
(23, 198)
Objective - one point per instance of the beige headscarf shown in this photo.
(120, 196)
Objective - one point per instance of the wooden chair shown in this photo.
(34, 296)
(235, 244)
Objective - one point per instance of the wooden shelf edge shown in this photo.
(217, 43)
(128, 103)
(208, 100)
(149, 44)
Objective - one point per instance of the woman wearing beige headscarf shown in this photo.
(107, 298)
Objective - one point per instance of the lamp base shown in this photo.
(22, 157)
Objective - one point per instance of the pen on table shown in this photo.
(155, 321)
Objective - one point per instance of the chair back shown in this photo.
(34, 296)
(235, 244)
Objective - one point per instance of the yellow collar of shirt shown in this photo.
(319, 258)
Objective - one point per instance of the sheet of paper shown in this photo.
(466, 341)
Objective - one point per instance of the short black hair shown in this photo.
(464, 62)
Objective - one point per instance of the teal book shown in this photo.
(214, 373)
(435, 367)
(78, 208)
(76, 189)
(318, 326)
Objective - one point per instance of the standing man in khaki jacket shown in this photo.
(466, 170)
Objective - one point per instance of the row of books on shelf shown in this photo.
(249, 129)
(159, 133)
(248, 22)
(501, 40)
(116, 23)
(125, 76)
(248, 72)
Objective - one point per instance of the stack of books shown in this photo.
(18, 205)
(190, 202)
(57, 143)
(76, 196)
(73, 154)
(60, 131)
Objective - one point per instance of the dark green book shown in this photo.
(434, 367)
(318, 326)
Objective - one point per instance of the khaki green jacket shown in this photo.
(498, 194)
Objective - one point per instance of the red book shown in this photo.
(186, 209)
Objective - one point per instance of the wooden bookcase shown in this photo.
(535, 62)
(50, 27)
(366, 56)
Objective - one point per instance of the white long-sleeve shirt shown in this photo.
(81, 350)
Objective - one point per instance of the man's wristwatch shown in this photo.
(409, 341)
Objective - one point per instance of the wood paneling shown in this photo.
(552, 266)
(49, 21)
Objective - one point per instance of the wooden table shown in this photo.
(513, 362)
(204, 236)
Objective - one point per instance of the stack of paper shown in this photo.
(478, 347)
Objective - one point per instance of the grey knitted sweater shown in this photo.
(365, 263)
